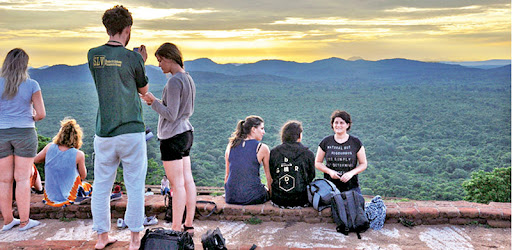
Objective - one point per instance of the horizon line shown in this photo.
(349, 59)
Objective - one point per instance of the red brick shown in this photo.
(326, 212)
(312, 219)
(425, 204)
(271, 210)
(459, 221)
(291, 218)
(72, 208)
(428, 212)
(392, 213)
(265, 218)
(444, 203)
(499, 223)
(506, 213)
(84, 208)
(292, 212)
(469, 212)
(491, 213)
(436, 221)
(390, 204)
(233, 209)
(500, 204)
(119, 205)
(253, 209)
(309, 212)
(36, 217)
(463, 204)
(449, 212)
(269, 248)
(70, 215)
(405, 204)
(409, 212)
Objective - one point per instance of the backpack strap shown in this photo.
(340, 204)
(316, 196)
(351, 206)
(206, 202)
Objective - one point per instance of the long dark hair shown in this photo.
(171, 52)
(243, 128)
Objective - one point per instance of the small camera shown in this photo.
(136, 49)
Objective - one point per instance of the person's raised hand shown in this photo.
(143, 52)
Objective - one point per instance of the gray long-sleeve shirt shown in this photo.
(176, 107)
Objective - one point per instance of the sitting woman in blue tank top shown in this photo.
(244, 156)
(65, 167)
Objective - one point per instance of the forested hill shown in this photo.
(425, 126)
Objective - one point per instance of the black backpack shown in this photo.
(291, 178)
(164, 239)
(213, 240)
(348, 212)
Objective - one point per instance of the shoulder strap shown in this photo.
(340, 204)
(351, 207)
(207, 202)
(258, 148)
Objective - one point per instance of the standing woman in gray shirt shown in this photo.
(21, 105)
(175, 132)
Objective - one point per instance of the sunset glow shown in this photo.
(227, 31)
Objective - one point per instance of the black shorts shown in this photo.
(176, 147)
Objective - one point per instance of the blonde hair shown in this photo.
(14, 71)
(70, 134)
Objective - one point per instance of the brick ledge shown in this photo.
(494, 214)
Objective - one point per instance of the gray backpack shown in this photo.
(320, 193)
(348, 213)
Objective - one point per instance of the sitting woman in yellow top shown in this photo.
(65, 167)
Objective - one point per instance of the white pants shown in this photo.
(130, 150)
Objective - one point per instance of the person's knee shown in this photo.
(21, 177)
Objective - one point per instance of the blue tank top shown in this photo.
(244, 186)
(61, 175)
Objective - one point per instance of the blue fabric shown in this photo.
(244, 185)
(60, 173)
(17, 112)
(376, 212)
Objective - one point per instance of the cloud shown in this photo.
(230, 29)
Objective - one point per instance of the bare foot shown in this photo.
(134, 245)
(104, 241)
(134, 241)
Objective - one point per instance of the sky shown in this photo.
(238, 31)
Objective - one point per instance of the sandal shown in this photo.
(186, 229)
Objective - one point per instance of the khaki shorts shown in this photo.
(18, 141)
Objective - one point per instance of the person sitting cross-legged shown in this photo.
(65, 167)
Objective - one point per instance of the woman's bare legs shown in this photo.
(6, 178)
(191, 192)
(22, 169)
(174, 172)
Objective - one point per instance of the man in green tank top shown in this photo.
(119, 76)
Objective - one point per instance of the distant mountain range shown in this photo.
(489, 64)
(332, 70)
